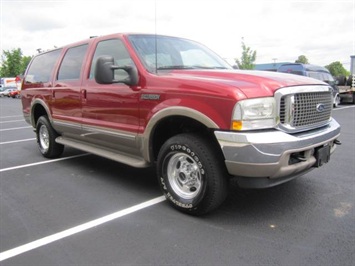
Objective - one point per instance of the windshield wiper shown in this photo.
(188, 67)
(209, 67)
(174, 67)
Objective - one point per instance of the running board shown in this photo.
(109, 154)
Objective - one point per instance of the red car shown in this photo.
(15, 94)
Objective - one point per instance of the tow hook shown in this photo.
(337, 142)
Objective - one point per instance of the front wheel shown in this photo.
(191, 174)
(46, 136)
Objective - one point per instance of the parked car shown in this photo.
(150, 100)
(6, 91)
(313, 71)
(15, 94)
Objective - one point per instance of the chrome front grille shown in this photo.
(301, 110)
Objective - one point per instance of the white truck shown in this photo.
(11, 82)
(347, 92)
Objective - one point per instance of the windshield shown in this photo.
(322, 76)
(166, 53)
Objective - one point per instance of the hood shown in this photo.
(251, 83)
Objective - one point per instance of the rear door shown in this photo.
(66, 94)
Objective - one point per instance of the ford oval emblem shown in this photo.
(320, 107)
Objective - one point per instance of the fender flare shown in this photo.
(35, 103)
(172, 111)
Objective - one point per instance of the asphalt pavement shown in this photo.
(87, 210)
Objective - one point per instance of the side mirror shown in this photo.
(105, 72)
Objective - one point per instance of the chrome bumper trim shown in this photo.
(267, 154)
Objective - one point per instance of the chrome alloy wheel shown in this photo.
(184, 175)
(44, 137)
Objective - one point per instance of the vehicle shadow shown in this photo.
(244, 205)
(115, 173)
(255, 205)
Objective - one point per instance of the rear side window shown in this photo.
(72, 63)
(41, 67)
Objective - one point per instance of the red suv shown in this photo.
(146, 100)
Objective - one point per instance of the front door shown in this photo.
(110, 113)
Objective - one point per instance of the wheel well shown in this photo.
(172, 126)
(38, 111)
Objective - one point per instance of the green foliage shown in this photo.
(248, 58)
(13, 63)
(302, 59)
(25, 61)
(337, 69)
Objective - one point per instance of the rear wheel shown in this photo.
(336, 100)
(46, 136)
(191, 174)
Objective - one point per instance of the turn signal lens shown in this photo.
(237, 125)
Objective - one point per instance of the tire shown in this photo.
(46, 136)
(191, 175)
(336, 101)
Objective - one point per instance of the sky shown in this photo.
(278, 30)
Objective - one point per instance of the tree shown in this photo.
(13, 63)
(248, 58)
(25, 61)
(337, 69)
(302, 59)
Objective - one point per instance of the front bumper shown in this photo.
(268, 158)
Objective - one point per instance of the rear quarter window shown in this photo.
(292, 69)
(41, 67)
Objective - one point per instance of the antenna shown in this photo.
(156, 41)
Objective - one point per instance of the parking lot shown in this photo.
(86, 210)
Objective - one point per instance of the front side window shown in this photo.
(315, 75)
(41, 67)
(164, 53)
(70, 68)
(118, 51)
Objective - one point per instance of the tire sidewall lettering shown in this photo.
(186, 149)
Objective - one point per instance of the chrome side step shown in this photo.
(107, 153)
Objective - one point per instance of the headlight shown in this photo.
(254, 114)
